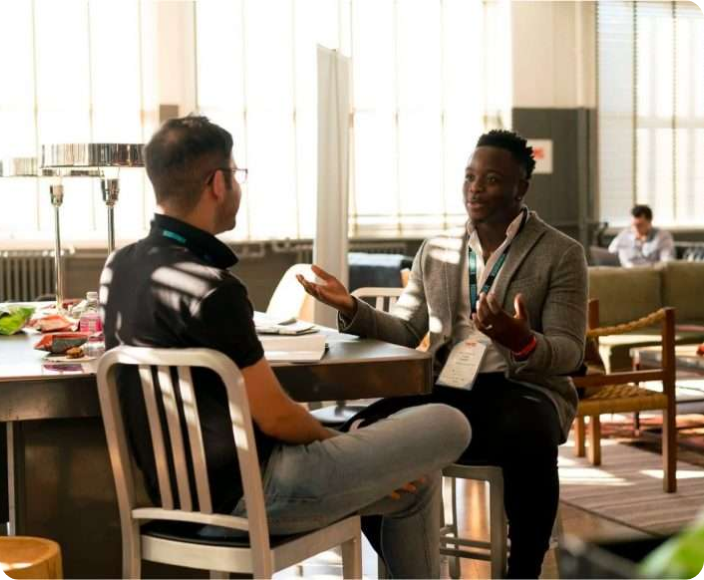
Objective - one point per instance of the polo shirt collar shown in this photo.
(200, 242)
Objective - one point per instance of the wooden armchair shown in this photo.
(618, 392)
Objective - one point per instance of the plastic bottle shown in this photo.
(90, 321)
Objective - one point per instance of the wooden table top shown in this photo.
(352, 368)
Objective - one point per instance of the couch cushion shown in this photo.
(683, 288)
(625, 294)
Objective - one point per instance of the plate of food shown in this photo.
(74, 355)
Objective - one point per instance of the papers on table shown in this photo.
(310, 348)
(265, 324)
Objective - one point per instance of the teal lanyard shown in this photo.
(174, 236)
(181, 240)
(472, 257)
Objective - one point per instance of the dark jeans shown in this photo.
(516, 428)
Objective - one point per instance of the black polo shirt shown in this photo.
(173, 290)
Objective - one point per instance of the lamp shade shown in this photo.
(92, 155)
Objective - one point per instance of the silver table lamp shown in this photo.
(94, 160)
(29, 167)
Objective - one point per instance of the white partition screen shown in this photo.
(331, 234)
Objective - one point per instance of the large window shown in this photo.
(95, 70)
(651, 110)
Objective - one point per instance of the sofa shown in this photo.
(626, 294)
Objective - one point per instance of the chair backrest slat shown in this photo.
(380, 296)
(162, 469)
(195, 438)
(173, 421)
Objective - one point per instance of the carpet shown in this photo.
(690, 434)
(627, 488)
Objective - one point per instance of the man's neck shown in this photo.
(492, 234)
(194, 219)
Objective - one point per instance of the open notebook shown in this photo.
(265, 324)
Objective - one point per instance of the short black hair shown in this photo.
(643, 211)
(514, 144)
(180, 155)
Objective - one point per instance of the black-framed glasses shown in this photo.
(240, 174)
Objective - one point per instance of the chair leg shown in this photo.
(352, 558)
(579, 436)
(636, 424)
(454, 561)
(669, 449)
(497, 530)
(594, 440)
(131, 554)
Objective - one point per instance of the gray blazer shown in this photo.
(546, 266)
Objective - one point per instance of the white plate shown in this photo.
(63, 359)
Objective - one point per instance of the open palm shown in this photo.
(331, 291)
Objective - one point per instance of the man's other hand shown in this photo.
(331, 292)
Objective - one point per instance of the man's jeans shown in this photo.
(310, 486)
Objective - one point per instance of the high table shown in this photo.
(60, 480)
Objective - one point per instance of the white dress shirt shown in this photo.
(463, 326)
(632, 251)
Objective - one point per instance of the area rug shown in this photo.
(690, 434)
(627, 488)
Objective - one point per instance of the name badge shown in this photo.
(462, 366)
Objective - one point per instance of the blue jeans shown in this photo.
(310, 486)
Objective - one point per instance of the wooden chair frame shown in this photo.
(619, 392)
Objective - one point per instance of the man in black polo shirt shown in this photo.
(173, 289)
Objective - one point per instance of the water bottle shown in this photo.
(90, 321)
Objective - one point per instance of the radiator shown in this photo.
(26, 275)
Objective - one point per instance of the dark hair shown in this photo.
(514, 144)
(643, 211)
(180, 155)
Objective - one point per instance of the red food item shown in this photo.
(52, 323)
(700, 349)
(60, 342)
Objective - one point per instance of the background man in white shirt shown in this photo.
(642, 244)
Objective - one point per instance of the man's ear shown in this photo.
(523, 186)
(219, 187)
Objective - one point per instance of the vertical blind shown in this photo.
(427, 77)
(651, 110)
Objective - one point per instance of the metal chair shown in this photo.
(338, 414)
(165, 533)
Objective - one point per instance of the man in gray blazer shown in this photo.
(504, 304)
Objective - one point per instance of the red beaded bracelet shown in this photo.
(527, 349)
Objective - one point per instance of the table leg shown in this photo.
(15, 478)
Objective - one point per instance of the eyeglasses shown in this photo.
(240, 174)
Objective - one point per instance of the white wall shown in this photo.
(553, 54)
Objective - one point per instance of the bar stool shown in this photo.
(26, 557)
(497, 548)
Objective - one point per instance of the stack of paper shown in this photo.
(309, 348)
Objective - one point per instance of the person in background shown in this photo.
(642, 244)
(174, 289)
(506, 307)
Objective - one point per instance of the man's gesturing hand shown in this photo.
(513, 332)
(330, 292)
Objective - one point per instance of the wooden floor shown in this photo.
(474, 523)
